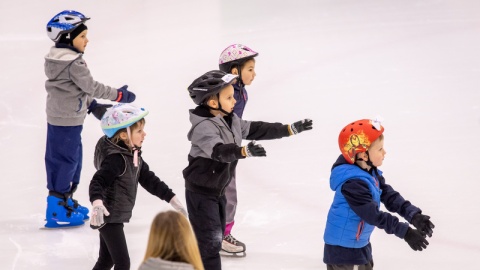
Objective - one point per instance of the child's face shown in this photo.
(226, 99)
(377, 153)
(80, 42)
(248, 72)
(138, 135)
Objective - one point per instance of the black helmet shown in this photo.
(209, 84)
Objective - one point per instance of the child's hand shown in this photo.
(416, 240)
(423, 224)
(177, 205)
(254, 150)
(300, 126)
(125, 96)
(98, 109)
(98, 211)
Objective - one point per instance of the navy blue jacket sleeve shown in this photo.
(394, 202)
(359, 198)
(153, 184)
(112, 167)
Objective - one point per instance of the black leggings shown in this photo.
(113, 248)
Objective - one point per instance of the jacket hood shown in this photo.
(58, 59)
(200, 114)
(343, 171)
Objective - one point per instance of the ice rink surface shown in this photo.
(415, 63)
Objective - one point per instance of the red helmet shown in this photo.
(357, 137)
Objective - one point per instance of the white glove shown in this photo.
(98, 211)
(177, 205)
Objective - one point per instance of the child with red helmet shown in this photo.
(359, 189)
(239, 60)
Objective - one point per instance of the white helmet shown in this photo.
(121, 116)
(64, 22)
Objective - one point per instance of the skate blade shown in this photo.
(56, 226)
(227, 254)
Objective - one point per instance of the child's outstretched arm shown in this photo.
(153, 184)
(80, 75)
(157, 187)
(359, 198)
(258, 130)
(394, 202)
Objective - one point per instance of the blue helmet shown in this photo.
(64, 22)
(121, 116)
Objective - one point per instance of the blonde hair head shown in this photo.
(116, 138)
(172, 239)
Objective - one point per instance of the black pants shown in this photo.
(368, 266)
(113, 248)
(207, 216)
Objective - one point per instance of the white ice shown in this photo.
(415, 63)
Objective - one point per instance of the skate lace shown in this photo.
(231, 239)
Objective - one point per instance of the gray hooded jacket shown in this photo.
(70, 87)
(216, 148)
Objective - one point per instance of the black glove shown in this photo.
(125, 96)
(97, 109)
(254, 150)
(300, 126)
(415, 239)
(423, 224)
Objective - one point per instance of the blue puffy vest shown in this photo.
(344, 227)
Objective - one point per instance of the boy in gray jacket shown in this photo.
(70, 95)
(216, 136)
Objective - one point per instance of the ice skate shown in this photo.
(78, 208)
(61, 215)
(233, 246)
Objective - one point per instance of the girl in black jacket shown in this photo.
(113, 188)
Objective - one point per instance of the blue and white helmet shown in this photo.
(64, 22)
(121, 116)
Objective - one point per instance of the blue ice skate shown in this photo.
(78, 208)
(60, 215)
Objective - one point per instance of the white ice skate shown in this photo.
(233, 246)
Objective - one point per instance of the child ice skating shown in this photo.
(216, 136)
(113, 188)
(239, 60)
(359, 189)
(71, 91)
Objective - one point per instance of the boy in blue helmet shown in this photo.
(70, 95)
(360, 188)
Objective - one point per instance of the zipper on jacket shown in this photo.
(361, 225)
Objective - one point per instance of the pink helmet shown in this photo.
(235, 55)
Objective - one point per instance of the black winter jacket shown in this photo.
(116, 180)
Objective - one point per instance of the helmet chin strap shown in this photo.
(219, 107)
(239, 79)
(134, 148)
(368, 161)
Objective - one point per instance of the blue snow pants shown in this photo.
(63, 157)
